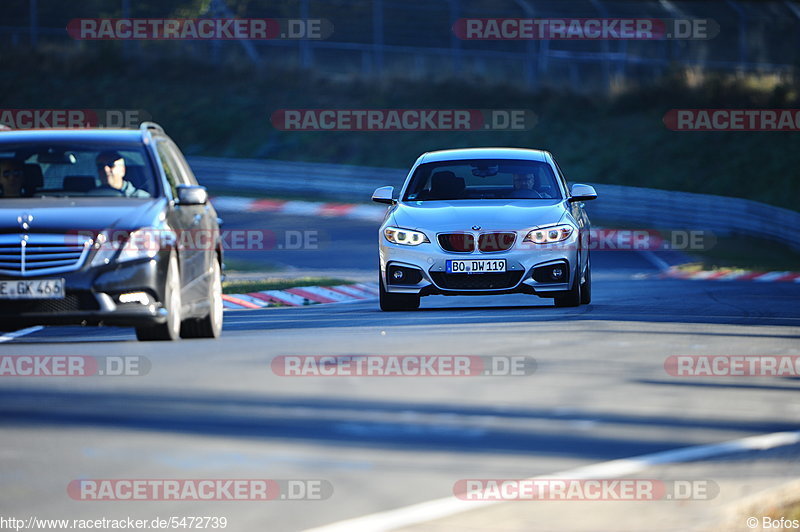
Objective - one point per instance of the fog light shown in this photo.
(135, 297)
(400, 275)
(551, 273)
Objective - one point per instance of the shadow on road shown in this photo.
(396, 425)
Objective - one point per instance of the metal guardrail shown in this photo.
(335, 181)
(650, 207)
(721, 215)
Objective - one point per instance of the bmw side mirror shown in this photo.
(384, 195)
(192, 195)
(582, 193)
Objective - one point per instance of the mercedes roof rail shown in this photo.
(148, 126)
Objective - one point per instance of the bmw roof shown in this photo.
(483, 153)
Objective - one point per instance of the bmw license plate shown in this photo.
(476, 266)
(32, 289)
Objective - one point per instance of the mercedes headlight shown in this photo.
(122, 246)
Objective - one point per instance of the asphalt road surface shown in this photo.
(217, 410)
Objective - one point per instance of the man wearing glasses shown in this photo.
(111, 168)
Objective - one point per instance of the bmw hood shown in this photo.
(488, 215)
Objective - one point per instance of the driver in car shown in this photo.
(111, 168)
(526, 186)
(11, 179)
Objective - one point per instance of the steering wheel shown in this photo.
(105, 190)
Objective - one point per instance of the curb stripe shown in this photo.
(749, 276)
(236, 301)
(300, 296)
(338, 289)
(268, 298)
(288, 298)
(249, 298)
(771, 276)
(353, 290)
(368, 288)
(730, 275)
(323, 291)
(333, 209)
(302, 292)
(266, 205)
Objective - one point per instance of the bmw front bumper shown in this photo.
(523, 261)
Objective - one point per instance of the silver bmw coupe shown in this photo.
(485, 221)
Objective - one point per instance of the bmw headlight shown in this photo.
(405, 237)
(122, 246)
(549, 235)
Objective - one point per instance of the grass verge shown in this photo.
(792, 511)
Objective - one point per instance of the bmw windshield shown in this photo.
(483, 179)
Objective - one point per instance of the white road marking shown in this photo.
(447, 506)
(22, 332)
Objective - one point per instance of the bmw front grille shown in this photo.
(486, 242)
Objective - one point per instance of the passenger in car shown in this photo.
(11, 179)
(111, 168)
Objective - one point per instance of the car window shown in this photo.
(170, 167)
(185, 174)
(561, 175)
(483, 179)
(36, 169)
